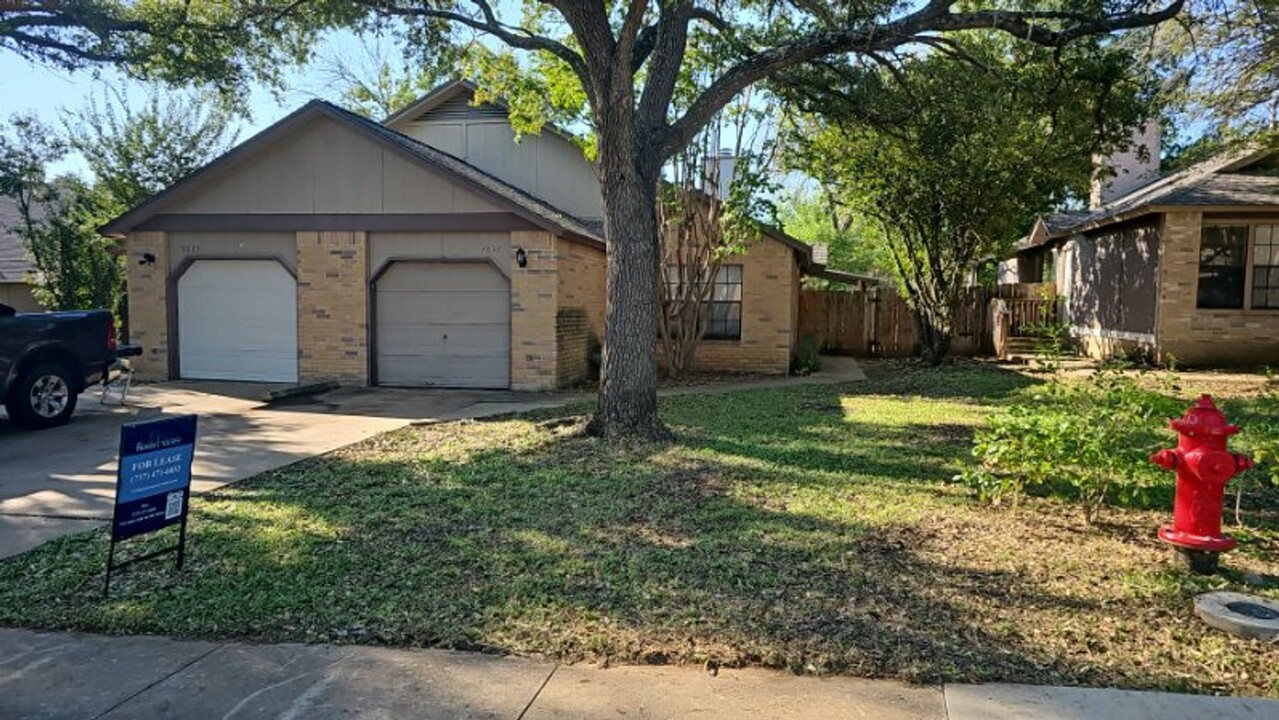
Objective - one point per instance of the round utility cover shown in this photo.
(1247, 616)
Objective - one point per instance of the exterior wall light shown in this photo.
(521, 257)
(147, 259)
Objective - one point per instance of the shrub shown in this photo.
(808, 357)
(1088, 441)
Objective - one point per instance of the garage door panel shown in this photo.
(443, 371)
(460, 339)
(237, 320)
(445, 277)
(443, 324)
(402, 308)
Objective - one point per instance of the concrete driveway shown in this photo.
(60, 481)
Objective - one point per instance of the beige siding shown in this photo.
(282, 245)
(325, 167)
(495, 246)
(18, 296)
(547, 165)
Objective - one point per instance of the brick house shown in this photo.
(429, 250)
(1185, 264)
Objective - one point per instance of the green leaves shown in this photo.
(951, 151)
(1088, 441)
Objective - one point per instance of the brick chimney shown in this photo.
(1131, 167)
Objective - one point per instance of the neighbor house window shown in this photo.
(1265, 266)
(722, 312)
(1223, 266)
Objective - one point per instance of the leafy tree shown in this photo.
(372, 84)
(855, 244)
(135, 152)
(629, 59)
(1221, 65)
(226, 43)
(75, 268)
(952, 152)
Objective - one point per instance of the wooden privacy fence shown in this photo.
(877, 322)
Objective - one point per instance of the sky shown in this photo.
(49, 92)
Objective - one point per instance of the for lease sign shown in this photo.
(154, 479)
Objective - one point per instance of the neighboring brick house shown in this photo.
(1185, 265)
(429, 250)
(15, 264)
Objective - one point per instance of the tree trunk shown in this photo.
(627, 406)
(933, 333)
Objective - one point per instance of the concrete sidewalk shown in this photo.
(57, 676)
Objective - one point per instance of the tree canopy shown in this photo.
(951, 153)
(630, 60)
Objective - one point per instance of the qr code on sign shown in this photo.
(173, 508)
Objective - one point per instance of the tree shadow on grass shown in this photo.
(568, 550)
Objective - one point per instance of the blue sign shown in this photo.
(154, 480)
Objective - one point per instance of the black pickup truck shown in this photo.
(48, 359)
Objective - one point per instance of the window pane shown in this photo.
(1265, 234)
(1261, 255)
(1221, 266)
(729, 274)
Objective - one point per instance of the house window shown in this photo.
(1265, 266)
(1223, 266)
(722, 312)
(724, 318)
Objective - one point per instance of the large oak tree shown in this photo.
(627, 55)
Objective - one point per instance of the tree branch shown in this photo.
(932, 18)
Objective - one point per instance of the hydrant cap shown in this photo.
(1203, 418)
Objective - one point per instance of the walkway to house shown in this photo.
(68, 676)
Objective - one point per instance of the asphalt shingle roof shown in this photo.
(1213, 182)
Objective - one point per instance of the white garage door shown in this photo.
(237, 320)
(445, 324)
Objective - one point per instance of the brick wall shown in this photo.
(1205, 337)
(333, 307)
(770, 306)
(572, 346)
(148, 304)
(582, 273)
(534, 307)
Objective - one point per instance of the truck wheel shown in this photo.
(42, 397)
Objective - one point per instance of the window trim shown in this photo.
(1249, 249)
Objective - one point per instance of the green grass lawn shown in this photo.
(811, 528)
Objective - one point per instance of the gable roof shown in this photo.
(533, 209)
(451, 92)
(14, 261)
(1209, 183)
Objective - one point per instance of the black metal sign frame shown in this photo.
(153, 486)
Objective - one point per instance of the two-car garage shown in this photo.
(439, 307)
(329, 247)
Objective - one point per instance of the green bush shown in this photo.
(1087, 441)
(808, 357)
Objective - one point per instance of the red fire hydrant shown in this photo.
(1203, 466)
